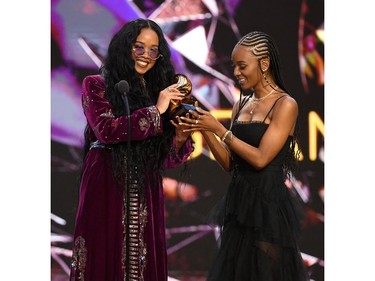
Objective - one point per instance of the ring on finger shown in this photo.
(196, 121)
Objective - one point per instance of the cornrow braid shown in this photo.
(258, 43)
(263, 46)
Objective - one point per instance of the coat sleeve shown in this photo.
(108, 129)
(178, 157)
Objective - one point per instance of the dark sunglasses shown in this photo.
(139, 50)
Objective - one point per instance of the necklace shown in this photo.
(255, 101)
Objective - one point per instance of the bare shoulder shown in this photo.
(286, 98)
(286, 104)
(287, 101)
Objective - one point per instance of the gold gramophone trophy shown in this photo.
(177, 107)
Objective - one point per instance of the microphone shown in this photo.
(123, 88)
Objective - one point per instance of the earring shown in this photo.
(265, 78)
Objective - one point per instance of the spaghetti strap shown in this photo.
(240, 106)
(272, 107)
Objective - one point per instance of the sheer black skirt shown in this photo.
(259, 220)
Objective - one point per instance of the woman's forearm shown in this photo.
(219, 150)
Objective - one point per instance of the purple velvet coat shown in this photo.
(99, 239)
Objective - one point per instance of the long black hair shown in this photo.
(149, 153)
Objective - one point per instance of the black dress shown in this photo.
(259, 220)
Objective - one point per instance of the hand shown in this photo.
(180, 134)
(200, 120)
(165, 97)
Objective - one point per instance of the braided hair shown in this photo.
(263, 46)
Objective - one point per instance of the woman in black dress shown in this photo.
(259, 218)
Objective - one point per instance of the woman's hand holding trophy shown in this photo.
(182, 107)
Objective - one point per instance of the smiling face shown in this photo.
(246, 67)
(148, 39)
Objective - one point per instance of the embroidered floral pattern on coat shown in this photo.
(79, 258)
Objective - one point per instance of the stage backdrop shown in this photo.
(201, 35)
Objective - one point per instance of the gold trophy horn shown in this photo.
(180, 108)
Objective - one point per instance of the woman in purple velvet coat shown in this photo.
(120, 224)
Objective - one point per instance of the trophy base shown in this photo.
(181, 110)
